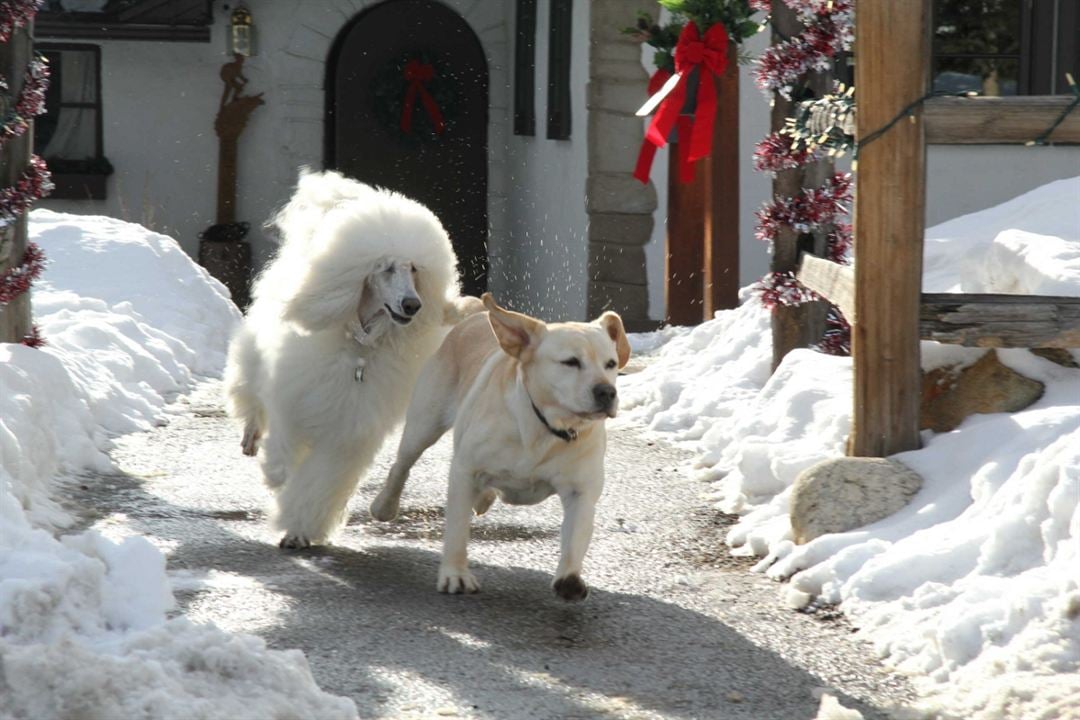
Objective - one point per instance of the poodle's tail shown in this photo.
(241, 394)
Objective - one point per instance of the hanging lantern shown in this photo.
(241, 32)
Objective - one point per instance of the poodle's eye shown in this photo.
(572, 362)
(610, 365)
(414, 269)
(389, 270)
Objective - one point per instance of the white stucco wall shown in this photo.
(160, 99)
(541, 263)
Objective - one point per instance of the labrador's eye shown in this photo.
(572, 362)
(389, 270)
(610, 365)
(414, 269)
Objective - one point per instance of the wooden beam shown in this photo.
(833, 281)
(722, 222)
(804, 325)
(890, 205)
(15, 319)
(684, 285)
(1001, 321)
(998, 120)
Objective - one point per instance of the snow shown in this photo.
(85, 626)
(974, 587)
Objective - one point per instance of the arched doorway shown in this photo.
(407, 109)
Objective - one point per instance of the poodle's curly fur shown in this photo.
(291, 373)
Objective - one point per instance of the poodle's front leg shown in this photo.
(311, 506)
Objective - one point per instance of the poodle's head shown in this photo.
(374, 255)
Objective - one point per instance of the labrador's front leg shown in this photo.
(579, 508)
(454, 575)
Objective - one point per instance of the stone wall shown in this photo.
(620, 209)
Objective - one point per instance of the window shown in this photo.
(69, 134)
(1005, 47)
(558, 119)
(525, 68)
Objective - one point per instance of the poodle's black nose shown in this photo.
(604, 394)
(410, 306)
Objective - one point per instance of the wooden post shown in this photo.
(892, 47)
(802, 326)
(15, 320)
(721, 262)
(684, 286)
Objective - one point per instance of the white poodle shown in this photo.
(361, 293)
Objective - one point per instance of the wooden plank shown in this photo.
(890, 204)
(985, 120)
(1001, 321)
(684, 286)
(804, 325)
(833, 281)
(15, 318)
(722, 222)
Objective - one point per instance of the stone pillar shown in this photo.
(620, 208)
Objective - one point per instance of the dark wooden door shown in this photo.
(381, 132)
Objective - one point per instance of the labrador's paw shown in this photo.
(384, 508)
(457, 581)
(571, 588)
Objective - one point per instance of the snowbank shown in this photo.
(129, 321)
(974, 585)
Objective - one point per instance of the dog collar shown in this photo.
(569, 435)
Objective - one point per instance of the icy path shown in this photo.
(673, 628)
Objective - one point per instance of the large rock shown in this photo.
(950, 395)
(847, 493)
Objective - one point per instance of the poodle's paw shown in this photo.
(484, 501)
(571, 588)
(294, 542)
(456, 581)
(250, 443)
(384, 507)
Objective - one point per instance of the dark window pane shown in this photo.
(987, 76)
(983, 27)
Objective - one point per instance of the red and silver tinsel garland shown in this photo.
(830, 30)
(34, 184)
(14, 14)
(781, 288)
(837, 337)
(806, 211)
(17, 280)
(776, 152)
(31, 102)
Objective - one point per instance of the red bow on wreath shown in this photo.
(708, 55)
(416, 74)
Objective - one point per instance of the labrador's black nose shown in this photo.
(604, 394)
(410, 306)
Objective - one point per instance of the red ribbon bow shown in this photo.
(709, 55)
(416, 74)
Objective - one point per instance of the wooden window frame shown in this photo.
(560, 30)
(88, 185)
(525, 68)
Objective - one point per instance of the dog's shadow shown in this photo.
(370, 622)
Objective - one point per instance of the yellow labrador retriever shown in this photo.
(527, 401)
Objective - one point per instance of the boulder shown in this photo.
(951, 394)
(846, 493)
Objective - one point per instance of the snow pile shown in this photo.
(83, 632)
(974, 585)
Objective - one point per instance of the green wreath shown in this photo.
(416, 97)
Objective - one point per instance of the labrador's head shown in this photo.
(569, 368)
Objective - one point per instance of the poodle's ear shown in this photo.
(517, 334)
(611, 322)
(325, 296)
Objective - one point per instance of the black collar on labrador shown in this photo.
(569, 435)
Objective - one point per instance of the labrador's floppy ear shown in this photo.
(612, 323)
(516, 333)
